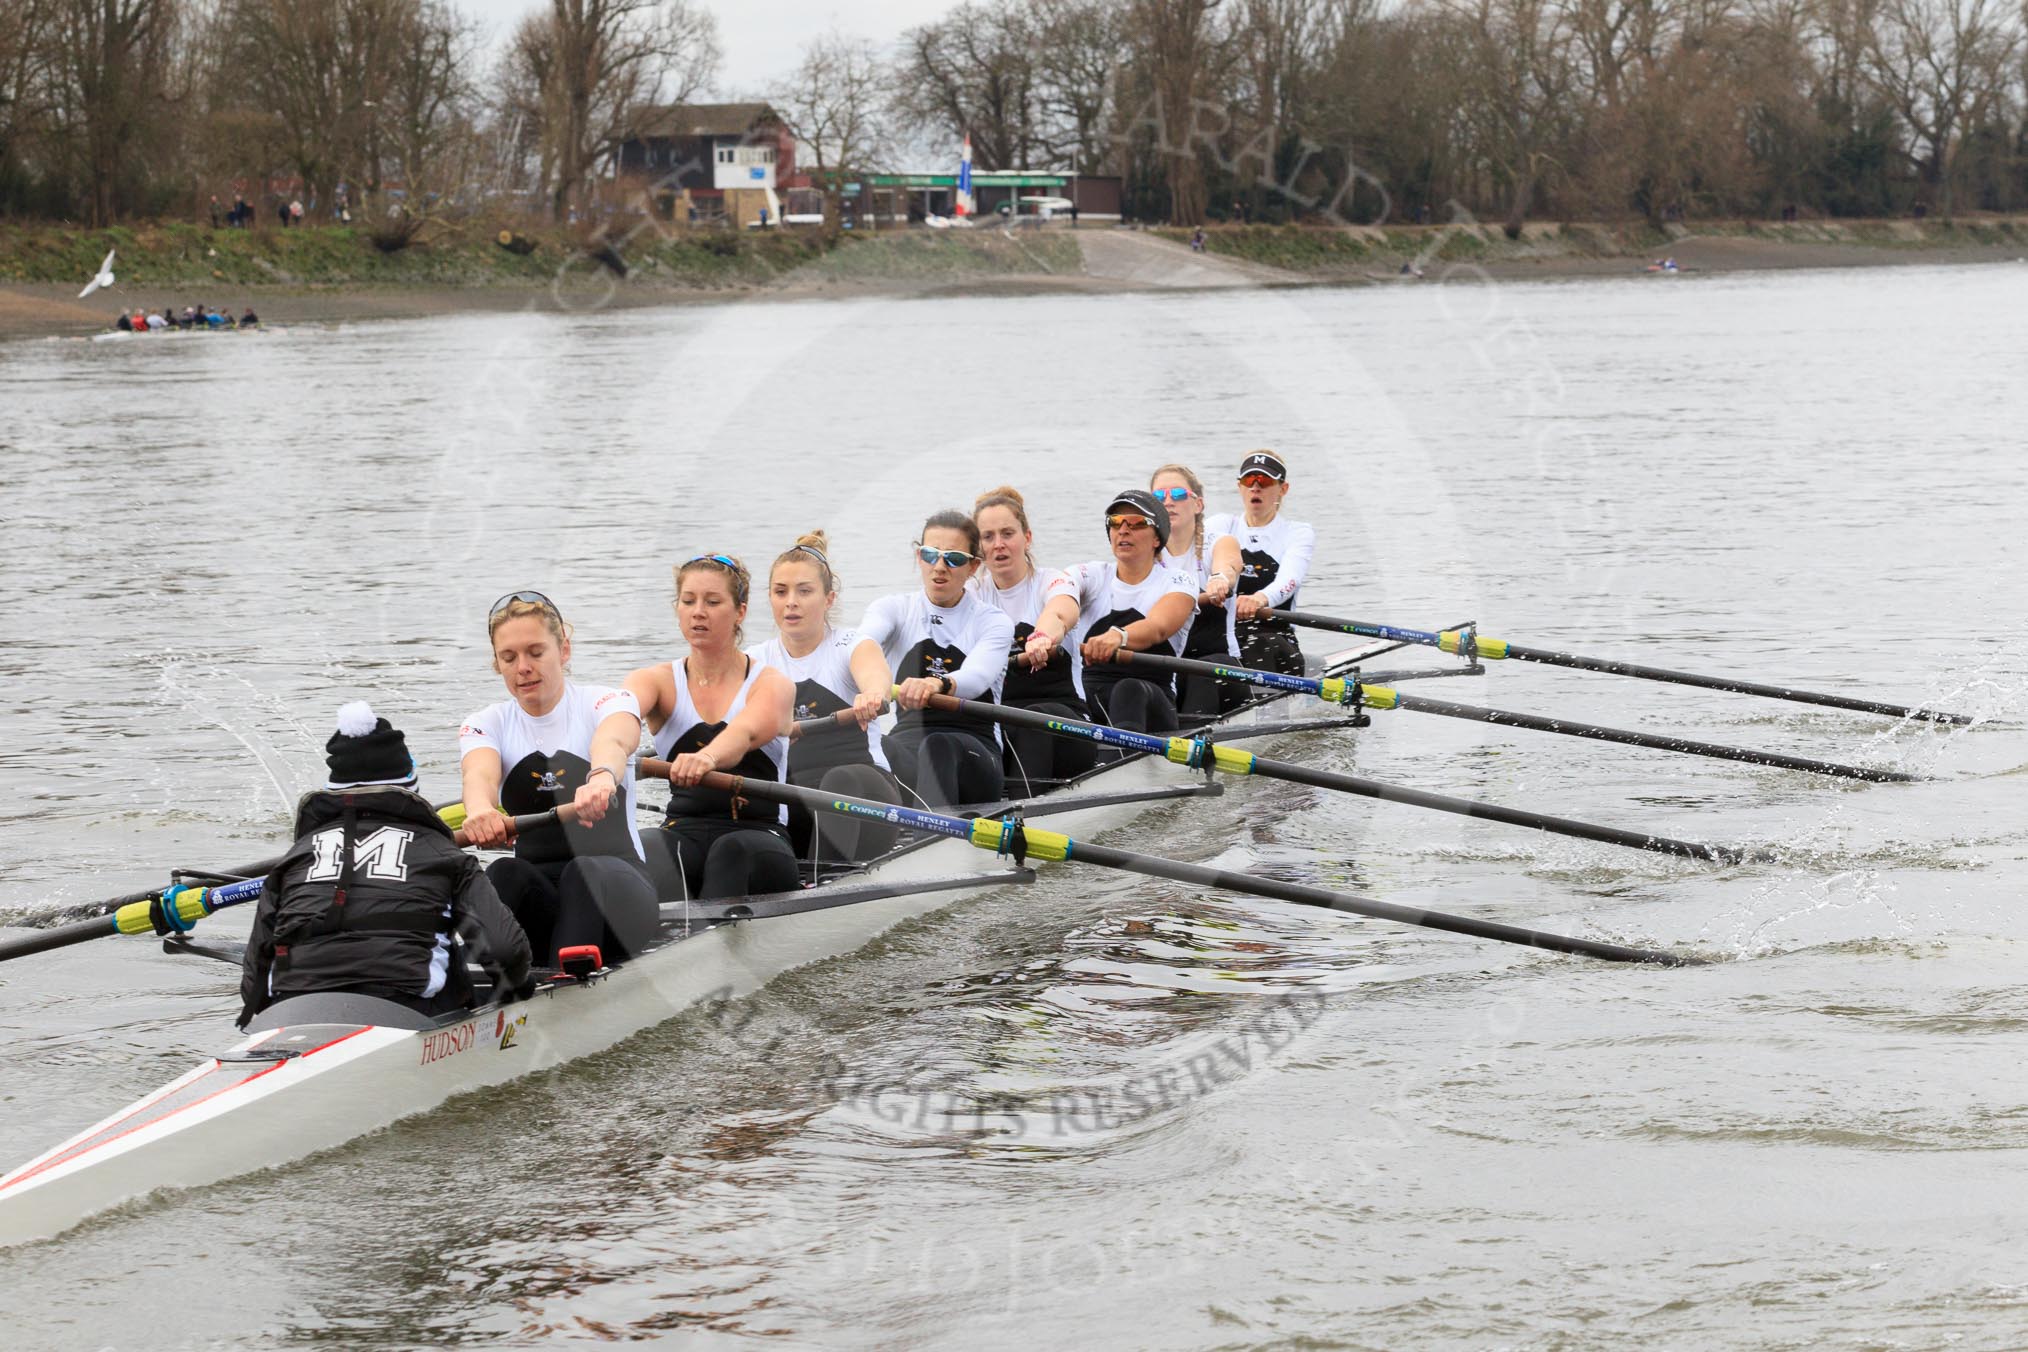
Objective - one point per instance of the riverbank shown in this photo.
(1546, 249)
(323, 275)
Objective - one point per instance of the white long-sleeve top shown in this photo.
(1274, 559)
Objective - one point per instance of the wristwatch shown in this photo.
(946, 684)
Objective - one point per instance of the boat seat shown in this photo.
(341, 1007)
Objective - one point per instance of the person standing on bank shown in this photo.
(375, 897)
(717, 708)
(1274, 557)
(942, 640)
(553, 741)
(1213, 562)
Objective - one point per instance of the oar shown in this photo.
(1466, 643)
(452, 815)
(1021, 841)
(834, 722)
(174, 909)
(1198, 753)
(1348, 691)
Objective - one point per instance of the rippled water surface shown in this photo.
(1099, 1111)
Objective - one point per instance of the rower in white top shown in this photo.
(836, 672)
(1213, 561)
(1274, 559)
(716, 708)
(1046, 675)
(943, 641)
(1132, 600)
(552, 742)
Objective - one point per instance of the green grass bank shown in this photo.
(176, 254)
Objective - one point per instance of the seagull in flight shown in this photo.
(105, 277)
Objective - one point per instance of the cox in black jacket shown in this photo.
(365, 900)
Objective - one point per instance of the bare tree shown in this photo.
(973, 73)
(1944, 65)
(427, 105)
(833, 104)
(1516, 75)
(1279, 46)
(1175, 39)
(24, 37)
(319, 71)
(1080, 47)
(599, 61)
(107, 60)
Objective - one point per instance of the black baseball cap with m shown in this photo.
(1264, 462)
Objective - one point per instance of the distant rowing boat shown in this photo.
(320, 1070)
(124, 336)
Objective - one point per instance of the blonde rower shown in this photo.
(716, 708)
(1045, 675)
(1214, 562)
(833, 670)
(553, 741)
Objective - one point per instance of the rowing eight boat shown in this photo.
(320, 1070)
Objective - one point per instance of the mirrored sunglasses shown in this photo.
(952, 558)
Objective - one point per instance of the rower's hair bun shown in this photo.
(815, 539)
(1003, 491)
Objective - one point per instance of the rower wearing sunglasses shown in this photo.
(553, 741)
(943, 640)
(717, 708)
(1213, 562)
(1132, 600)
(833, 670)
(1274, 558)
(1044, 674)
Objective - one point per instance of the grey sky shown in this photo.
(762, 38)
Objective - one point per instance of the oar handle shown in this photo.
(804, 727)
(563, 814)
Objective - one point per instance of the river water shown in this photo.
(1095, 1111)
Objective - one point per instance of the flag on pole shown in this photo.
(965, 206)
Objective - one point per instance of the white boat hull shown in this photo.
(236, 1113)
